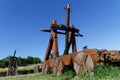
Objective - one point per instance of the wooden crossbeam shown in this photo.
(64, 33)
(65, 28)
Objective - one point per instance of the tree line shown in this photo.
(20, 61)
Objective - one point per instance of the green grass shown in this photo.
(39, 76)
(21, 68)
(3, 69)
(100, 73)
(26, 67)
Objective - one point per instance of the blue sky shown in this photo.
(98, 21)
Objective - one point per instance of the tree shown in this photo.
(36, 60)
(20, 61)
(4, 62)
(30, 60)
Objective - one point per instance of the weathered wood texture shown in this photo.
(93, 53)
(58, 66)
(83, 62)
(37, 69)
(12, 67)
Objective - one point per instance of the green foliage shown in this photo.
(30, 59)
(36, 60)
(20, 61)
(101, 72)
(4, 62)
(107, 72)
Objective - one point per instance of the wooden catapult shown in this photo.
(52, 58)
(12, 67)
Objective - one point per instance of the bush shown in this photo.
(20, 61)
(4, 62)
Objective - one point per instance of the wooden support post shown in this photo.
(55, 44)
(74, 47)
(55, 40)
(72, 40)
(67, 32)
(49, 48)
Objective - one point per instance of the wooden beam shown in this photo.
(55, 44)
(49, 30)
(50, 44)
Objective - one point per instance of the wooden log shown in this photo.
(103, 54)
(58, 66)
(83, 61)
(67, 59)
(114, 56)
(49, 48)
(93, 53)
(58, 63)
(45, 68)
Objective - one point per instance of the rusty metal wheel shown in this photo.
(83, 61)
(58, 66)
(45, 68)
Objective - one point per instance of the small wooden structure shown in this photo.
(12, 67)
(37, 68)
(53, 59)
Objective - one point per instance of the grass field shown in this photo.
(19, 68)
(100, 73)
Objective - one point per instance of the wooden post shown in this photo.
(55, 44)
(74, 47)
(12, 67)
(67, 32)
(49, 48)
